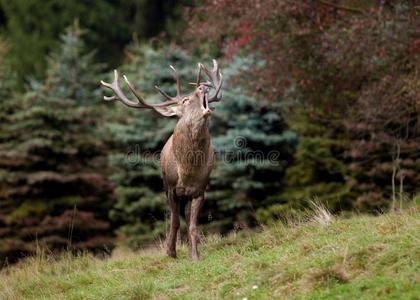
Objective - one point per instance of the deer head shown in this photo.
(194, 104)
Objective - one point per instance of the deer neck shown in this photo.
(191, 139)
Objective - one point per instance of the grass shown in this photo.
(362, 257)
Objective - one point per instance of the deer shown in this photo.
(187, 158)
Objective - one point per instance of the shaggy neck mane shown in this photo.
(191, 138)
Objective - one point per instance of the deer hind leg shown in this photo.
(174, 225)
(187, 220)
(196, 205)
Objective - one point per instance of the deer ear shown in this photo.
(168, 111)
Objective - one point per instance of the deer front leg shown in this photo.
(187, 220)
(196, 205)
(174, 226)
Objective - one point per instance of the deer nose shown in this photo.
(203, 89)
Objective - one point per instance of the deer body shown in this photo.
(187, 157)
(186, 176)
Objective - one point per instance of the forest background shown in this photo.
(321, 103)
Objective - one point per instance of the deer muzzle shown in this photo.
(205, 102)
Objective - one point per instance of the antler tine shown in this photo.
(178, 85)
(163, 93)
(111, 98)
(216, 78)
(133, 90)
(119, 95)
(218, 95)
(178, 88)
(197, 82)
(166, 103)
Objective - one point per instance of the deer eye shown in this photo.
(185, 100)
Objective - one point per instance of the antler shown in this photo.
(119, 95)
(197, 81)
(178, 87)
(214, 75)
(216, 78)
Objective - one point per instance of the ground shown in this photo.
(323, 257)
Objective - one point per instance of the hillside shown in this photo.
(362, 257)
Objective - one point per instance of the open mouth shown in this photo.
(205, 104)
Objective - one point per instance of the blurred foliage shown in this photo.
(7, 83)
(33, 27)
(72, 73)
(253, 147)
(348, 68)
(54, 191)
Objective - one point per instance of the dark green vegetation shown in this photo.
(322, 258)
(33, 27)
(321, 100)
(52, 153)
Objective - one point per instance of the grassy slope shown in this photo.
(363, 257)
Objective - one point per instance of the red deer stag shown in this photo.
(187, 157)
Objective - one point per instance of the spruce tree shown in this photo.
(8, 84)
(52, 161)
(253, 146)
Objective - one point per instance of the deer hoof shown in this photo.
(194, 257)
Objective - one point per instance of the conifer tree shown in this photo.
(52, 161)
(7, 82)
(253, 145)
